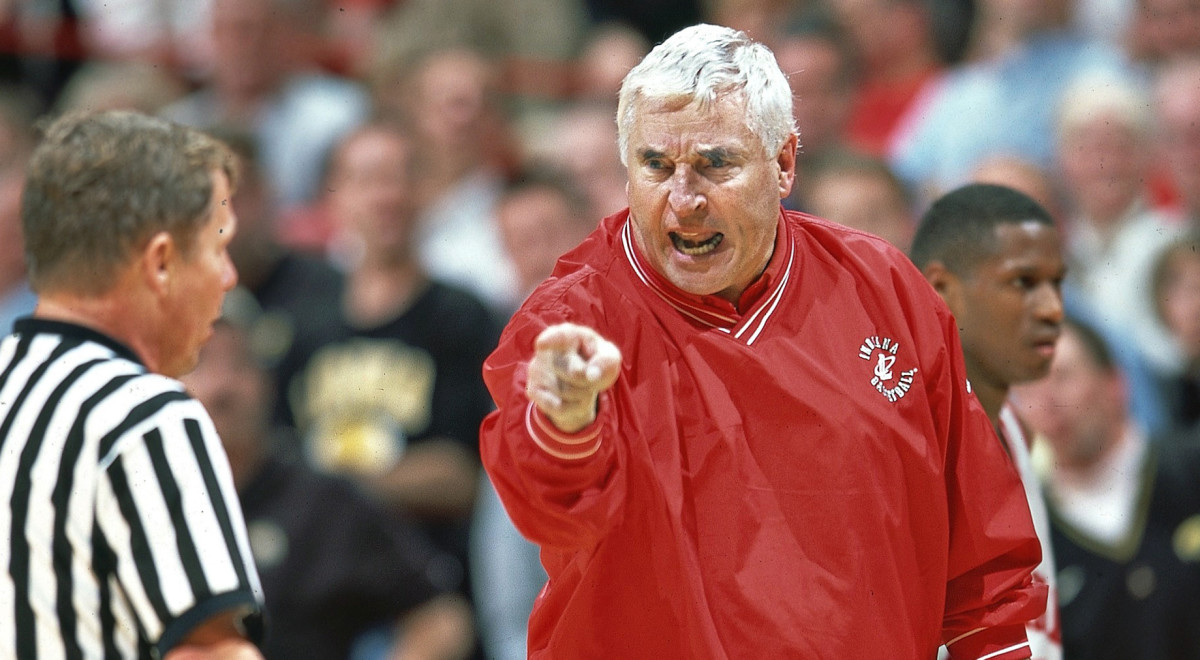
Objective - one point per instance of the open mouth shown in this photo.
(696, 248)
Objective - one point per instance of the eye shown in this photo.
(716, 162)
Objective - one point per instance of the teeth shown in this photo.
(696, 248)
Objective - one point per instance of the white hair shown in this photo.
(1105, 95)
(703, 64)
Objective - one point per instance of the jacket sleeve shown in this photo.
(990, 593)
(561, 490)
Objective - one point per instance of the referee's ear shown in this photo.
(157, 263)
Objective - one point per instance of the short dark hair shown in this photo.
(959, 229)
(1094, 343)
(99, 185)
(537, 175)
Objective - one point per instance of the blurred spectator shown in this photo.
(451, 103)
(396, 402)
(298, 294)
(542, 215)
(609, 51)
(1124, 510)
(333, 564)
(132, 85)
(897, 58)
(655, 20)
(583, 141)
(263, 79)
(814, 54)
(1022, 175)
(758, 18)
(40, 46)
(16, 298)
(166, 33)
(529, 42)
(1163, 30)
(860, 191)
(1104, 155)
(1000, 104)
(16, 142)
(1177, 116)
(1177, 301)
(1108, 21)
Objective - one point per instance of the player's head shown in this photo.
(99, 186)
(702, 64)
(995, 256)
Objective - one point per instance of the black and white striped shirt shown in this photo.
(120, 528)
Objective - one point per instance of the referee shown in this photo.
(120, 531)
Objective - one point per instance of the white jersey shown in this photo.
(1045, 636)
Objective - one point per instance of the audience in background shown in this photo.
(1177, 122)
(1124, 511)
(396, 399)
(263, 78)
(1104, 152)
(860, 191)
(897, 60)
(1176, 294)
(334, 565)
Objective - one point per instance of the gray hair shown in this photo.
(702, 64)
(100, 185)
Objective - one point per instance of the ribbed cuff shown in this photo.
(998, 643)
(566, 446)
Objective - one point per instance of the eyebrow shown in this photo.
(716, 153)
(650, 154)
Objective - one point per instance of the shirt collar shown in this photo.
(710, 309)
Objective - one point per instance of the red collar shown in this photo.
(758, 300)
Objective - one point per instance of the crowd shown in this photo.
(411, 169)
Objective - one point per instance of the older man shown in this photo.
(737, 431)
(122, 532)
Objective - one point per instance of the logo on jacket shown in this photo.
(882, 352)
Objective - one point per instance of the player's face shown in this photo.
(202, 278)
(1011, 306)
(703, 195)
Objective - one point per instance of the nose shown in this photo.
(229, 274)
(685, 196)
(1048, 304)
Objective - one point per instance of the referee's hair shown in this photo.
(959, 229)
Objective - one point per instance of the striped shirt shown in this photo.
(121, 529)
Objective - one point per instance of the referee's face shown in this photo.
(200, 282)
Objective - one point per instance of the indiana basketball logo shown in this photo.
(882, 351)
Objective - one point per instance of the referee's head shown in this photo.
(127, 222)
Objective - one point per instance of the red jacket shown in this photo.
(808, 479)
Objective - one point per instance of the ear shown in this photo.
(945, 282)
(786, 160)
(157, 262)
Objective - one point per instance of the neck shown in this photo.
(103, 314)
(380, 292)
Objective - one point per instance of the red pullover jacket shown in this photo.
(810, 478)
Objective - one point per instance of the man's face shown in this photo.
(704, 195)
(199, 283)
(1009, 308)
(1076, 407)
(371, 194)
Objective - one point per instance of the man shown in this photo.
(1124, 510)
(324, 587)
(994, 256)
(737, 431)
(396, 399)
(122, 532)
